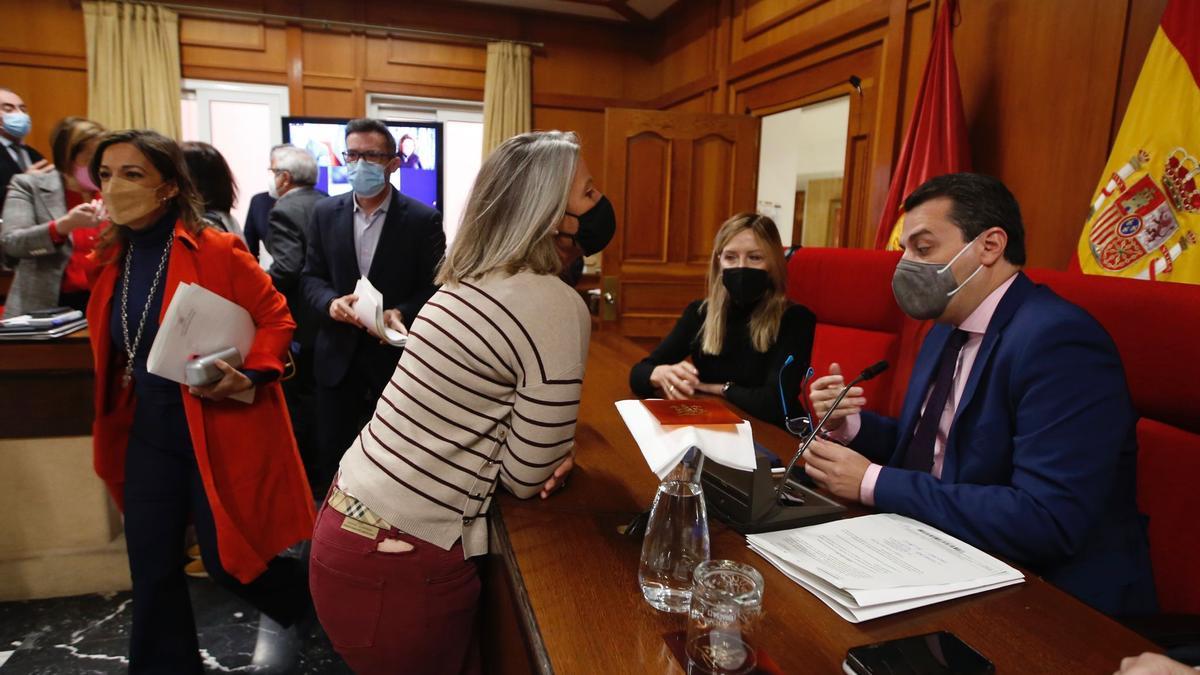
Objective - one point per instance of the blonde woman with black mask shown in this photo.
(740, 335)
(485, 395)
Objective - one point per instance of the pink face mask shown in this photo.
(84, 178)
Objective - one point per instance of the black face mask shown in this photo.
(596, 226)
(746, 285)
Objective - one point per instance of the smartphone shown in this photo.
(930, 654)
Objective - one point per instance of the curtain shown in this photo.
(133, 66)
(506, 98)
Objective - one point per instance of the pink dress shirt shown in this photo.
(975, 325)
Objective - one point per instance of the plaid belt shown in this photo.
(352, 508)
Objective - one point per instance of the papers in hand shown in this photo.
(368, 309)
(199, 322)
(664, 446)
(876, 565)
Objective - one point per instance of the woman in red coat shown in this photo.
(172, 454)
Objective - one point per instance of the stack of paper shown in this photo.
(876, 565)
(664, 446)
(368, 309)
(43, 324)
(197, 323)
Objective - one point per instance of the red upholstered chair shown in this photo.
(1156, 327)
(858, 321)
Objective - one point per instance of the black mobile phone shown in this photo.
(940, 653)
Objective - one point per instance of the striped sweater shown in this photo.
(486, 392)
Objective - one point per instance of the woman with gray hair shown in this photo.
(486, 393)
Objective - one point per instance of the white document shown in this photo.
(664, 447)
(368, 309)
(855, 614)
(199, 322)
(881, 564)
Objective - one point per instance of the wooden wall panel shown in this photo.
(587, 124)
(328, 54)
(1039, 82)
(646, 189)
(712, 161)
(43, 58)
(324, 102)
(1044, 83)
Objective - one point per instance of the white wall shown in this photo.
(796, 146)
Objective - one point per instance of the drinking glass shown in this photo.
(725, 612)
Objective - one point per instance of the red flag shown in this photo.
(936, 140)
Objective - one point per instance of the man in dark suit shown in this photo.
(294, 172)
(1017, 432)
(397, 243)
(15, 156)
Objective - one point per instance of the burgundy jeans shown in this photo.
(408, 612)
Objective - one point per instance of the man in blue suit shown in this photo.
(1017, 431)
(397, 243)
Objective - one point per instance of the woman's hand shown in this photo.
(233, 382)
(86, 214)
(559, 479)
(676, 381)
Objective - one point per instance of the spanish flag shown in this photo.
(935, 142)
(1144, 221)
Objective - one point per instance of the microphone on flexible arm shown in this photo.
(867, 373)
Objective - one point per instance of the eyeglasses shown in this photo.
(352, 156)
(797, 426)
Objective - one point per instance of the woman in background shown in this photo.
(172, 454)
(740, 336)
(212, 177)
(408, 153)
(51, 223)
(486, 393)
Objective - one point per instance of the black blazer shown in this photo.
(256, 229)
(410, 248)
(287, 241)
(10, 168)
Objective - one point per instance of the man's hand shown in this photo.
(40, 166)
(342, 309)
(836, 468)
(824, 391)
(1153, 664)
(559, 479)
(233, 382)
(677, 380)
(392, 318)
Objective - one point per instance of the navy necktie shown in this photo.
(919, 455)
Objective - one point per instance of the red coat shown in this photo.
(261, 502)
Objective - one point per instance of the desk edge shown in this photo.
(535, 644)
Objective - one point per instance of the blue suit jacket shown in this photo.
(1041, 460)
(410, 248)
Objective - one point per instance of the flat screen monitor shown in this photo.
(419, 175)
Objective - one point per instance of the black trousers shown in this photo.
(162, 489)
(343, 411)
(300, 392)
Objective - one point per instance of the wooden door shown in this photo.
(673, 178)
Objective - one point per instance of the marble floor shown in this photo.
(89, 634)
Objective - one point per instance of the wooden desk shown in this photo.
(46, 387)
(572, 592)
(59, 531)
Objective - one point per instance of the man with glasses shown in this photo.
(394, 241)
